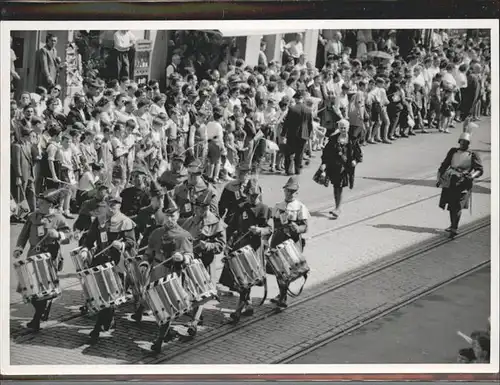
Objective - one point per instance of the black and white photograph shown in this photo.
(287, 195)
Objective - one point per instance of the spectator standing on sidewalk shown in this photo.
(123, 42)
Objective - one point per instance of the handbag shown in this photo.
(321, 178)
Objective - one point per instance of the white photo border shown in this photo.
(42, 370)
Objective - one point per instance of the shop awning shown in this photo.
(255, 32)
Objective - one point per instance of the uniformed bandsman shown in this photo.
(166, 242)
(118, 231)
(233, 196)
(252, 227)
(91, 208)
(45, 229)
(177, 175)
(186, 193)
(136, 196)
(290, 219)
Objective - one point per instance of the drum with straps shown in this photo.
(246, 268)
(287, 262)
(37, 277)
(198, 283)
(167, 299)
(81, 257)
(102, 287)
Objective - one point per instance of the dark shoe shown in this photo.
(34, 326)
(275, 299)
(453, 233)
(156, 347)
(94, 337)
(448, 229)
(235, 317)
(68, 215)
(334, 214)
(387, 141)
(371, 141)
(404, 136)
(171, 334)
(411, 133)
(137, 316)
(282, 304)
(247, 312)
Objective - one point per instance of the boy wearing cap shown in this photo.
(118, 231)
(186, 193)
(46, 230)
(251, 224)
(290, 218)
(177, 175)
(456, 175)
(168, 243)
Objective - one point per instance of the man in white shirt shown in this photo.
(295, 48)
(173, 67)
(123, 42)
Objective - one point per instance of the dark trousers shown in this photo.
(26, 191)
(104, 320)
(122, 64)
(40, 307)
(394, 115)
(295, 148)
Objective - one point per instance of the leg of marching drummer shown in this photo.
(283, 295)
(247, 309)
(235, 316)
(162, 333)
(40, 307)
(100, 321)
(137, 316)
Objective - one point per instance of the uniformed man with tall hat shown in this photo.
(136, 196)
(456, 176)
(149, 219)
(186, 193)
(177, 175)
(233, 195)
(46, 230)
(117, 230)
(91, 208)
(290, 219)
(170, 248)
(208, 232)
(252, 228)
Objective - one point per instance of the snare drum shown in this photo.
(287, 262)
(37, 277)
(102, 287)
(198, 283)
(81, 258)
(167, 299)
(137, 274)
(246, 268)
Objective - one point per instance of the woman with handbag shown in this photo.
(456, 174)
(339, 159)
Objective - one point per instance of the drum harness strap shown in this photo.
(294, 295)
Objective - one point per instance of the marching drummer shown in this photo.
(170, 248)
(207, 230)
(233, 196)
(92, 208)
(46, 230)
(114, 236)
(252, 224)
(149, 219)
(290, 221)
(186, 193)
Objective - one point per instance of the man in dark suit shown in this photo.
(297, 129)
(79, 112)
(24, 155)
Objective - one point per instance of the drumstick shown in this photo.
(465, 337)
(106, 248)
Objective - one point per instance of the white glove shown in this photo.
(188, 258)
(52, 233)
(117, 244)
(353, 163)
(178, 257)
(18, 252)
(322, 167)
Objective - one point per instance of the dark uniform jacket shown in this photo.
(104, 231)
(148, 220)
(35, 229)
(133, 199)
(185, 195)
(230, 200)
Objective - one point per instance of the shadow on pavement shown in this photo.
(425, 183)
(128, 342)
(413, 229)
